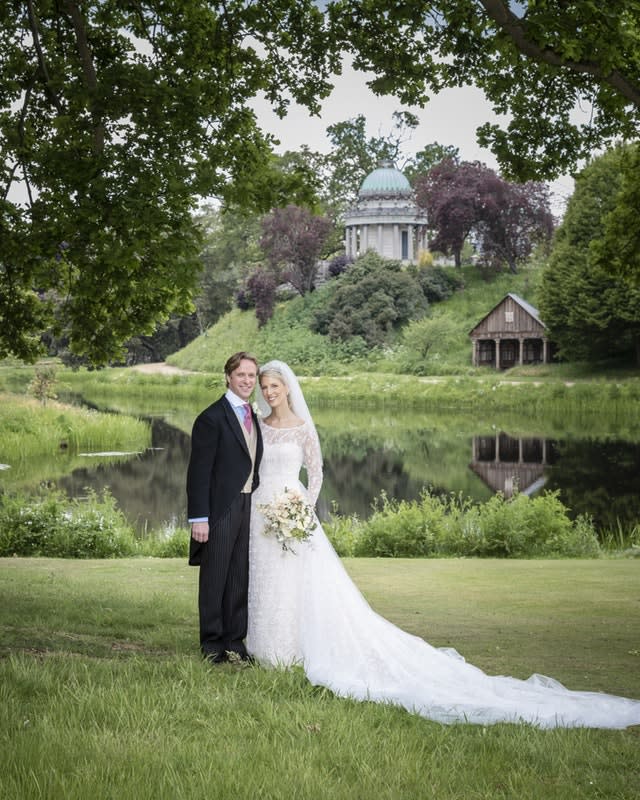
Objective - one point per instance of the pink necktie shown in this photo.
(247, 417)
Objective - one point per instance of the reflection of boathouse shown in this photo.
(512, 333)
(507, 464)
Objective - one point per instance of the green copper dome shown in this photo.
(386, 180)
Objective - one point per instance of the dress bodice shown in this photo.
(286, 451)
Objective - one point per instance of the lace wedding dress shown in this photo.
(304, 609)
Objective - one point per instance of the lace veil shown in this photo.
(297, 403)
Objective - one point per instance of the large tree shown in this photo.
(231, 251)
(512, 219)
(566, 75)
(618, 251)
(114, 118)
(591, 313)
(506, 219)
(429, 157)
(354, 154)
(293, 240)
(450, 194)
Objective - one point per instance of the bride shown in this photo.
(304, 609)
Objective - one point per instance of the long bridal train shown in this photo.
(305, 609)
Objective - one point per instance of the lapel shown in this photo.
(234, 424)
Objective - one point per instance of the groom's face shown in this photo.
(242, 380)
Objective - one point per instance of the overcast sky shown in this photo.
(450, 118)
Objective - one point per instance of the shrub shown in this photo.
(425, 344)
(57, 527)
(400, 530)
(453, 526)
(342, 532)
(42, 386)
(339, 264)
(372, 299)
(170, 542)
(262, 287)
(438, 283)
(244, 301)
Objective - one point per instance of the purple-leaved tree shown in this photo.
(467, 198)
(449, 193)
(512, 219)
(292, 240)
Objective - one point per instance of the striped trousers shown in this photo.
(224, 579)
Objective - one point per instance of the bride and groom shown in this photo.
(303, 608)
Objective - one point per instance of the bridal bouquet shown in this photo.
(288, 518)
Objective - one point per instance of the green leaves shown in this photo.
(586, 300)
(115, 119)
(566, 74)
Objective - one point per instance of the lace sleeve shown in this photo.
(313, 462)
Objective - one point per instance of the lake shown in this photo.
(368, 453)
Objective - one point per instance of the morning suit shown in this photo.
(222, 473)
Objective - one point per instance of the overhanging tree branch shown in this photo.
(516, 29)
(35, 32)
(89, 72)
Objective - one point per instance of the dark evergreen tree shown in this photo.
(591, 313)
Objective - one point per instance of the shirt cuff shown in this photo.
(199, 519)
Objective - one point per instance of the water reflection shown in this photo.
(508, 463)
(366, 457)
(149, 488)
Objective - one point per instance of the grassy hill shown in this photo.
(437, 344)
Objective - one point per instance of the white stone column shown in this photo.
(410, 238)
(380, 240)
(365, 238)
(396, 250)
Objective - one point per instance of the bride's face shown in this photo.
(273, 390)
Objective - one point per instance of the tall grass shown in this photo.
(30, 428)
(104, 695)
(598, 404)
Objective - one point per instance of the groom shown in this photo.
(226, 448)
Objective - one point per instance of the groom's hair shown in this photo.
(233, 362)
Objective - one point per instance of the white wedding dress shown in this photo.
(304, 609)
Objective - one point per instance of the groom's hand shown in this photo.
(200, 531)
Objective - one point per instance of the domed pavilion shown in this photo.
(386, 218)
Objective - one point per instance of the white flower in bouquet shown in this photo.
(288, 518)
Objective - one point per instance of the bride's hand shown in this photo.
(200, 531)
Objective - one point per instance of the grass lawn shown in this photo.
(104, 694)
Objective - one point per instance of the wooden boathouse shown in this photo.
(511, 334)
